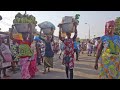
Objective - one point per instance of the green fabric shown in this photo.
(25, 50)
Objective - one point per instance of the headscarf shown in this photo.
(108, 25)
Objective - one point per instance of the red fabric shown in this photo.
(25, 68)
(69, 51)
(32, 67)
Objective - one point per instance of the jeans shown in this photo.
(89, 51)
(76, 51)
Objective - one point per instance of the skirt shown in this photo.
(109, 66)
(24, 63)
(32, 67)
(48, 62)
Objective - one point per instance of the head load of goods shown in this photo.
(68, 24)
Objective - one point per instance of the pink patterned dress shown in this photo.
(69, 51)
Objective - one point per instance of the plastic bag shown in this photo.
(46, 24)
(48, 31)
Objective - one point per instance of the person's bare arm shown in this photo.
(98, 54)
(11, 33)
(75, 35)
(60, 29)
(52, 38)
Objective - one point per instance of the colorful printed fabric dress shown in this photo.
(69, 51)
(14, 51)
(110, 58)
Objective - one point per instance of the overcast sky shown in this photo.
(96, 20)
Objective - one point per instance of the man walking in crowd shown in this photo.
(89, 48)
(76, 49)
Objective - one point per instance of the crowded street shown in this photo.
(34, 47)
(84, 69)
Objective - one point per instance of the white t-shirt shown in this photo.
(96, 43)
(88, 46)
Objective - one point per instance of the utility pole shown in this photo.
(89, 30)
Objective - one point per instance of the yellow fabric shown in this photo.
(18, 36)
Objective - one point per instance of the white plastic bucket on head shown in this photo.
(67, 19)
(68, 27)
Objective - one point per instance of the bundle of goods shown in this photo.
(21, 22)
(108, 25)
(117, 26)
(47, 27)
(68, 23)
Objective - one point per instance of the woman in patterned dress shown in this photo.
(25, 52)
(5, 57)
(14, 50)
(109, 50)
(68, 52)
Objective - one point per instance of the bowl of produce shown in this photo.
(21, 22)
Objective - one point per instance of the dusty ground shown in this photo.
(83, 69)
